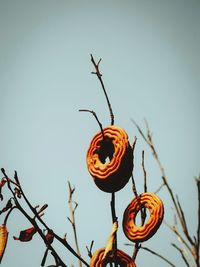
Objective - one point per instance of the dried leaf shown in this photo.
(26, 235)
(111, 240)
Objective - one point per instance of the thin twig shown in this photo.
(159, 188)
(149, 141)
(198, 225)
(114, 219)
(72, 219)
(89, 250)
(132, 176)
(144, 171)
(98, 121)
(182, 254)
(158, 255)
(185, 228)
(179, 236)
(33, 222)
(99, 75)
(136, 250)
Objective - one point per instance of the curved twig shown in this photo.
(98, 121)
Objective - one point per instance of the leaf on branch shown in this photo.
(26, 235)
(3, 240)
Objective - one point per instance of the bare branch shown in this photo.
(114, 221)
(184, 224)
(158, 255)
(149, 141)
(179, 236)
(182, 254)
(140, 131)
(72, 219)
(198, 226)
(89, 250)
(136, 250)
(133, 181)
(145, 174)
(99, 75)
(159, 188)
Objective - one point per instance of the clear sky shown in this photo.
(150, 64)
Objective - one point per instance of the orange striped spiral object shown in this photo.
(3, 239)
(113, 174)
(122, 259)
(156, 209)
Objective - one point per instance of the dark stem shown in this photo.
(114, 219)
(144, 171)
(89, 250)
(99, 75)
(95, 115)
(133, 181)
(8, 214)
(136, 250)
(33, 222)
(40, 232)
(198, 226)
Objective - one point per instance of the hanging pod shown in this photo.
(110, 159)
(120, 258)
(3, 240)
(142, 233)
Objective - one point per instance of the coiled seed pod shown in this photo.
(111, 175)
(156, 208)
(121, 258)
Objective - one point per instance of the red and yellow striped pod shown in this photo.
(112, 175)
(3, 239)
(121, 258)
(156, 209)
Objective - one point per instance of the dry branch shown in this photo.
(99, 76)
(194, 244)
(182, 254)
(72, 219)
(158, 255)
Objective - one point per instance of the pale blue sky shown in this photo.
(150, 64)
